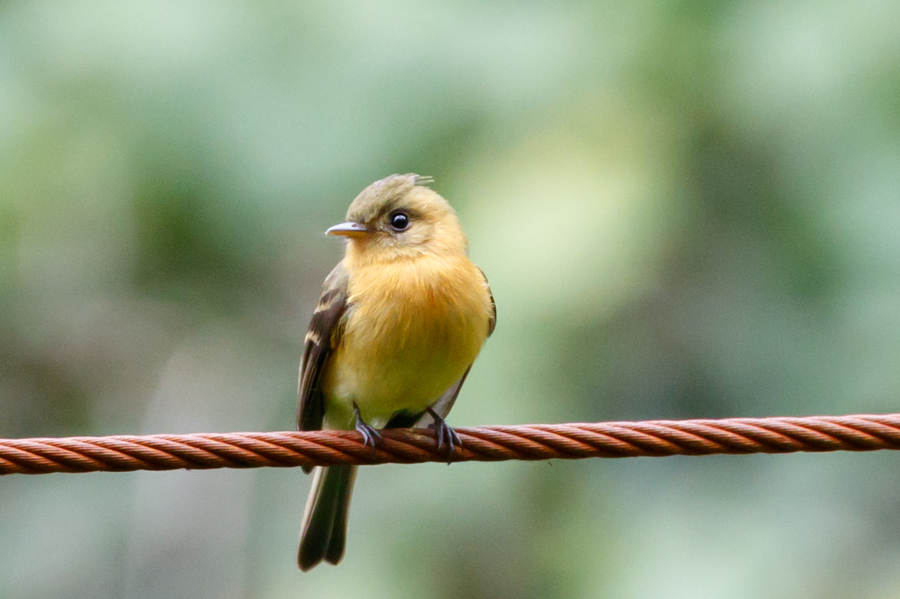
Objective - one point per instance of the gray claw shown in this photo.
(371, 436)
(445, 434)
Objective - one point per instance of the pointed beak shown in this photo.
(348, 229)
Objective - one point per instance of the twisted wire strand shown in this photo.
(651, 438)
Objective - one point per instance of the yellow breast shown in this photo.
(412, 330)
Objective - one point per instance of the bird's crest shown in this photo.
(424, 181)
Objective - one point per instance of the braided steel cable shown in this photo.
(651, 438)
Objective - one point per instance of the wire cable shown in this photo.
(650, 438)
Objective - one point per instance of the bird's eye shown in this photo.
(399, 220)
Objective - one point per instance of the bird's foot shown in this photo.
(444, 434)
(371, 436)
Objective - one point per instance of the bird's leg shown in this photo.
(444, 433)
(370, 435)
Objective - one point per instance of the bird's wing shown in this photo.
(492, 321)
(325, 330)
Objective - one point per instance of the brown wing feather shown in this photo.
(324, 334)
(492, 321)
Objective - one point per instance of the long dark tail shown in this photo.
(325, 518)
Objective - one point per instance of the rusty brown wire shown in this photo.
(654, 438)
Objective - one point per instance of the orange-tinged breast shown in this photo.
(412, 330)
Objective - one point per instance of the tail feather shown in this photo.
(325, 518)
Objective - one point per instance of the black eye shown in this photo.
(399, 221)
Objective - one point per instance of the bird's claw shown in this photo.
(444, 434)
(371, 436)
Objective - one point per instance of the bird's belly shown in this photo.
(400, 357)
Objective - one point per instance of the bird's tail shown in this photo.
(325, 517)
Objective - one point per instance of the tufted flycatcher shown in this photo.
(400, 320)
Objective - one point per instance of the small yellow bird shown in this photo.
(399, 323)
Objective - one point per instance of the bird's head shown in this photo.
(400, 217)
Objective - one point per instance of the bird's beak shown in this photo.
(348, 229)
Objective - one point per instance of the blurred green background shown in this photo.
(685, 209)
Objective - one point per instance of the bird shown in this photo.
(397, 327)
